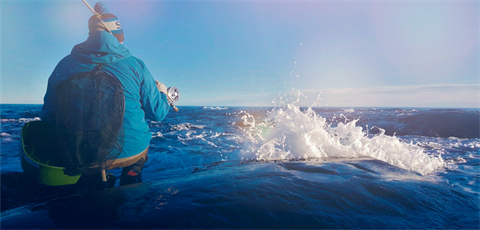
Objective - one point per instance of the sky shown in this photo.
(250, 53)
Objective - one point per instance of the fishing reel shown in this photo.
(173, 95)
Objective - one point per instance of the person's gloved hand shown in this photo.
(161, 87)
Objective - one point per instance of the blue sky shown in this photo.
(247, 53)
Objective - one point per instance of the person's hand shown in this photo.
(161, 87)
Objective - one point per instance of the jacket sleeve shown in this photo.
(154, 103)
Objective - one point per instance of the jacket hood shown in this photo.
(100, 47)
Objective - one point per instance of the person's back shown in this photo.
(142, 97)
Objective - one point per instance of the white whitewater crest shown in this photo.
(187, 126)
(214, 108)
(20, 120)
(289, 133)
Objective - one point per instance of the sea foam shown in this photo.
(20, 120)
(287, 132)
(214, 108)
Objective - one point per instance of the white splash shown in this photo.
(289, 133)
(214, 108)
(187, 126)
(157, 134)
(20, 120)
(248, 120)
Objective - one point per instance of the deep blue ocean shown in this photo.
(279, 167)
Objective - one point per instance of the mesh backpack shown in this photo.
(89, 121)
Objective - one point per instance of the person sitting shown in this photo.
(143, 98)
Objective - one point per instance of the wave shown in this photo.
(431, 123)
(187, 126)
(460, 123)
(290, 133)
(19, 120)
(214, 108)
(442, 124)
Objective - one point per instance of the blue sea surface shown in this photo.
(280, 167)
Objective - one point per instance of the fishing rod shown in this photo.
(99, 17)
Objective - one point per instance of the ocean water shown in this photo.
(280, 167)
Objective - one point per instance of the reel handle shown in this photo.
(174, 107)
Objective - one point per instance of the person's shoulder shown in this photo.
(67, 58)
(138, 61)
(66, 61)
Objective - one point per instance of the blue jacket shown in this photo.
(142, 98)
